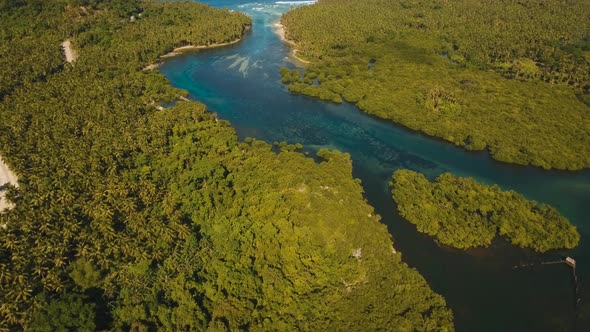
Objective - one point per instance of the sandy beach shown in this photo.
(180, 50)
(280, 31)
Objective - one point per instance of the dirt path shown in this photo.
(71, 55)
(6, 177)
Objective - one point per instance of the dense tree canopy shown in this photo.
(128, 217)
(509, 76)
(463, 213)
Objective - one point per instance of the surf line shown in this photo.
(295, 2)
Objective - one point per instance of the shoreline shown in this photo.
(280, 31)
(182, 49)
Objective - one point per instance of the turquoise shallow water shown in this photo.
(241, 83)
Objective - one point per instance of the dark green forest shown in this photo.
(509, 77)
(463, 213)
(132, 218)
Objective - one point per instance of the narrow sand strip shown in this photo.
(180, 50)
(280, 30)
(71, 55)
(7, 177)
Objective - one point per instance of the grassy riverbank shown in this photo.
(517, 88)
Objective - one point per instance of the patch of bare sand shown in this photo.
(69, 52)
(7, 177)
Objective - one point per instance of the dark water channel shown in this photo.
(241, 83)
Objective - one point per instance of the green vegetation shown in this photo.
(66, 313)
(462, 213)
(512, 77)
(130, 218)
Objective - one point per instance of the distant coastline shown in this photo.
(280, 31)
(296, 2)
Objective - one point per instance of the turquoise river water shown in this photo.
(487, 289)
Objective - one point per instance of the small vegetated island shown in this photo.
(462, 213)
(512, 77)
(129, 216)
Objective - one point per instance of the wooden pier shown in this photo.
(570, 261)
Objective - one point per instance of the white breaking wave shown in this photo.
(257, 64)
(244, 67)
(231, 57)
(274, 9)
(241, 63)
(305, 2)
(238, 61)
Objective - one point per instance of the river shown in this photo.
(241, 83)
